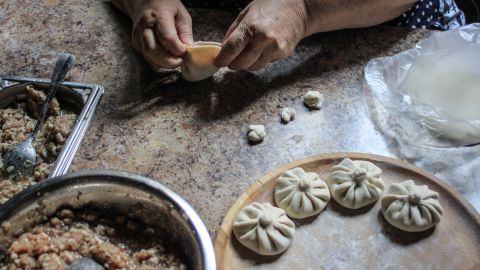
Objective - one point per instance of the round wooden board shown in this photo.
(340, 238)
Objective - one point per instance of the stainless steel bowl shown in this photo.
(127, 193)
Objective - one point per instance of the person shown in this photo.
(269, 30)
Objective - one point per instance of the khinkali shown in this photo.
(313, 99)
(256, 133)
(264, 229)
(410, 207)
(354, 184)
(301, 194)
(287, 114)
(198, 63)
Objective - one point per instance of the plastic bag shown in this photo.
(432, 137)
(433, 90)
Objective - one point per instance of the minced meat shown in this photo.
(115, 242)
(17, 121)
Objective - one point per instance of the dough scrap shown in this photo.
(198, 63)
(313, 99)
(264, 229)
(256, 133)
(287, 114)
(354, 184)
(301, 194)
(411, 208)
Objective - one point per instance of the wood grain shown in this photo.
(340, 238)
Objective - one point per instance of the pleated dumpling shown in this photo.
(301, 194)
(355, 183)
(263, 228)
(410, 207)
(198, 63)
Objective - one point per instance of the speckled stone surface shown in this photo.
(192, 136)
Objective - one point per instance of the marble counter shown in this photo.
(192, 136)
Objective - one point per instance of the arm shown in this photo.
(266, 31)
(328, 15)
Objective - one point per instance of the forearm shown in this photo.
(328, 15)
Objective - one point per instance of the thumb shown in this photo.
(183, 23)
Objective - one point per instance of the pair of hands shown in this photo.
(264, 32)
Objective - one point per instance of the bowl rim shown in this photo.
(34, 192)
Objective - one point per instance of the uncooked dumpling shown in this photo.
(301, 194)
(198, 63)
(354, 184)
(264, 229)
(410, 207)
(313, 99)
(256, 133)
(287, 114)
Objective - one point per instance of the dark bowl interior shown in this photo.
(137, 197)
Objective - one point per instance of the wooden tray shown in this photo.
(339, 238)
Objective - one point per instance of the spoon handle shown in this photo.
(62, 66)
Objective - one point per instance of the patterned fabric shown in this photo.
(426, 14)
(431, 14)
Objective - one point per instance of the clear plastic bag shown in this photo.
(433, 90)
(442, 140)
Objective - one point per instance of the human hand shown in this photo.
(161, 31)
(265, 31)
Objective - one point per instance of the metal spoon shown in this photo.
(21, 159)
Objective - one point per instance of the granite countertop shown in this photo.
(192, 136)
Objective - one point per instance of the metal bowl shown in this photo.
(135, 195)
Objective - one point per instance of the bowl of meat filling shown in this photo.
(20, 106)
(102, 220)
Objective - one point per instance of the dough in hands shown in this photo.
(264, 229)
(287, 114)
(354, 184)
(411, 208)
(198, 63)
(301, 194)
(313, 99)
(256, 133)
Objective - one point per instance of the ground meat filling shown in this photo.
(114, 242)
(17, 121)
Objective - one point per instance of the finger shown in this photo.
(232, 46)
(183, 24)
(252, 52)
(261, 62)
(148, 40)
(155, 54)
(234, 25)
(266, 58)
(167, 35)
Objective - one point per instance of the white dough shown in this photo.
(256, 133)
(450, 83)
(198, 63)
(287, 114)
(354, 184)
(313, 99)
(264, 229)
(301, 194)
(411, 208)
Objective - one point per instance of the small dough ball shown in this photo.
(411, 208)
(301, 194)
(256, 133)
(313, 99)
(198, 63)
(287, 114)
(355, 183)
(263, 228)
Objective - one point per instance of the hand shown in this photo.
(265, 31)
(161, 31)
